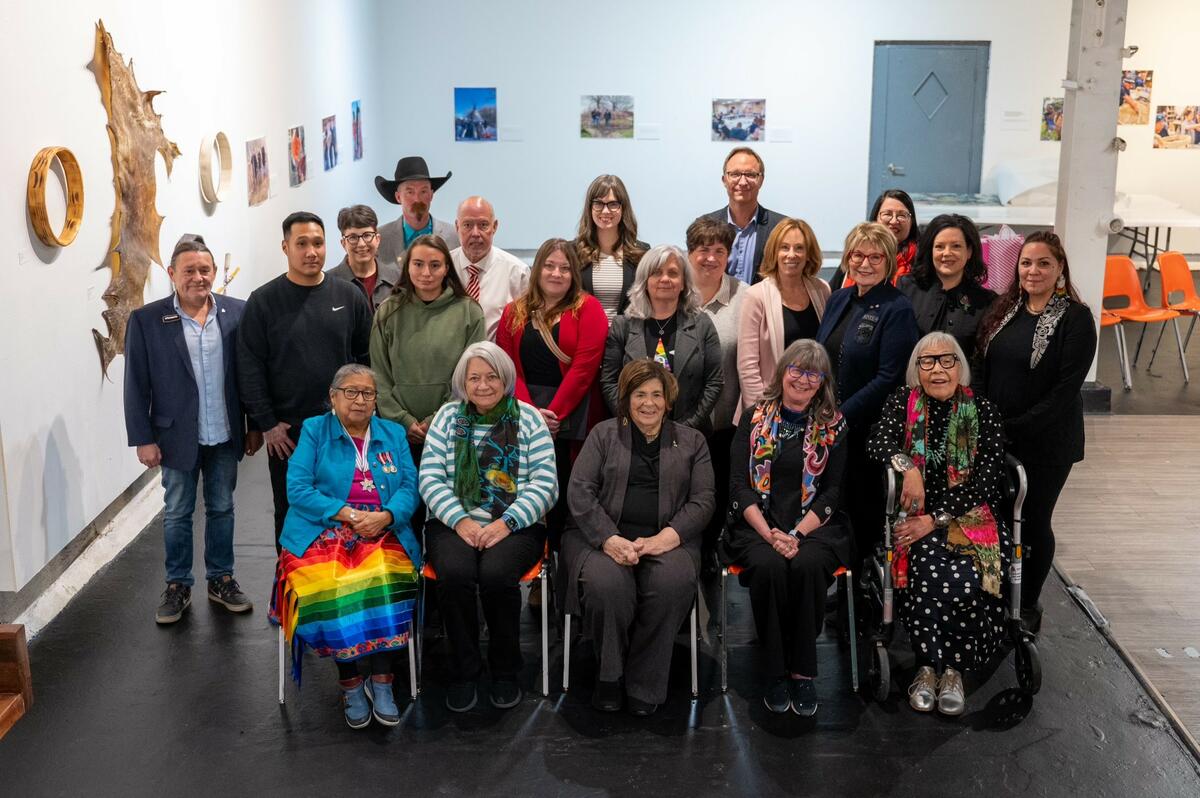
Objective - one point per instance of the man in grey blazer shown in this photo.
(413, 191)
(742, 176)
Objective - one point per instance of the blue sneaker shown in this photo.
(383, 703)
(358, 711)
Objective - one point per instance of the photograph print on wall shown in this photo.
(474, 114)
(1052, 118)
(606, 116)
(356, 128)
(1177, 128)
(329, 142)
(739, 120)
(297, 162)
(258, 174)
(1133, 107)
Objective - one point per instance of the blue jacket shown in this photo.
(319, 474)
(879, 338)
(162, 399)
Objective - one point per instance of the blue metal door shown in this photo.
(927, 115)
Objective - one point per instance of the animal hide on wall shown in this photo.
(135, 134)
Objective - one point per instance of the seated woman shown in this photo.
(347, 576)
(664, 323)
(946, 283)
(640, 496)
(948, 443)
(790, 541)
(488, 478)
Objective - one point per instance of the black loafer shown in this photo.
(776, 698)
(460, 697)
(607, 697)
(639, 708)
(506, 694)
(803, 694)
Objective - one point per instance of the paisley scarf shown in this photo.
(1048, 319)
(764, 447)
(486, 475)
(975, 533)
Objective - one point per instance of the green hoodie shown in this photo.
(414, 349)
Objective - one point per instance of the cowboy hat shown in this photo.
(412, 167)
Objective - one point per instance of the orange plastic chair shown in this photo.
(735, 570)
(539, 571)
(1121, 282)
(1110, 319)
(1176, 280)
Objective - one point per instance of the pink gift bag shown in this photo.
(1000, 253)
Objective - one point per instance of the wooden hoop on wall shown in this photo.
(35, 196)
(220, 143)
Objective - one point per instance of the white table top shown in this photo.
(1136, 210)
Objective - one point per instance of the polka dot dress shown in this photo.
(950, 620)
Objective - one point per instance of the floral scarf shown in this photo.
(486, 475)
(764, 446)
(1048, 319)
(975, 533)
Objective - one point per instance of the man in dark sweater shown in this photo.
(296, 331)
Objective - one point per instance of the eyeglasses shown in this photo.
(947, 361)
(751, 177)
(805, 374)
(366, 238)
(856, 258)
(894, 216)
(367, 395)
(477, 379)
(613, 206)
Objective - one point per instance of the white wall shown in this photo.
(248, 68)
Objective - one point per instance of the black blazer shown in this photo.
(766, 222)
(1046, 422)
(697, 365)
(968, 304)
(162, 399)
(628, 270)
(881, 334)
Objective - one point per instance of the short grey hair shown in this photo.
(806, 353)
(495, 357)
(655, 259)
(912, 375)
(350, 370)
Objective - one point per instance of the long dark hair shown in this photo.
(588, 240)
(1009, 299)
(914, 232)
(534, 301)
(923, 271)
(404, 292)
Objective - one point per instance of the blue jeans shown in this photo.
(218, 464)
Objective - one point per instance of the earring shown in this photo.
(625, 421)
(1061, 282)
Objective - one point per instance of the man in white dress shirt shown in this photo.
(492, 276)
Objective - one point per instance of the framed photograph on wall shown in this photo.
(606, 116)
(739, 120)
(475, 114)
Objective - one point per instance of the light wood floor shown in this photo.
(1128, 532)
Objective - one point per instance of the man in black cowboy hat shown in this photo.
(413, 191)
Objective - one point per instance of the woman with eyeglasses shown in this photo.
(869, 331)
(1037, 343)
(787, 528)
(946, 283)
(952, 545)
(346, 582)
(608, 245)
(894, 210)
(417, 336)
(359, 225)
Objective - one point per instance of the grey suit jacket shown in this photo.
(696, 365)
(596, 493)
(389, 276)
(391, 239)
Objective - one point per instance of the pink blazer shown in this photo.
(760, 335)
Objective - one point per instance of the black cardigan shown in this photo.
(969, 303)
(628, 270)
(1046, 422)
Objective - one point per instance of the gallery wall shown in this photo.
(249, 69)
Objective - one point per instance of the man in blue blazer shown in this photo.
(183, 412)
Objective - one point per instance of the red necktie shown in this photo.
(473, 282)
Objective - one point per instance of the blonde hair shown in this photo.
(875, 234)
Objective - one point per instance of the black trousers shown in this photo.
(377, 664)
(278, 469)
(788, 600)
(496, 574)
(1046, 481)
(556, 519)
(719, 444)
(864, 498)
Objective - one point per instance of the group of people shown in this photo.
(635, 413)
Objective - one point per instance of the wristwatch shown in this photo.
(902, 462)
(941, 519)
(513, 524)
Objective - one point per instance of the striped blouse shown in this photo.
(537, 477)
(608, 278)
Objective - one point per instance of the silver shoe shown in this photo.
(922, 693)
(950, 698)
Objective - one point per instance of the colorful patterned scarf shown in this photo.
(486, 475)
(764, 446)
(975, 533)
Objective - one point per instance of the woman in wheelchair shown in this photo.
(790, 541)
(948, 445)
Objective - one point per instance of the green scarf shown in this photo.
(492, 481)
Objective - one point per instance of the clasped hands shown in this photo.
(368, 524)
(481, 537)
(630, 552)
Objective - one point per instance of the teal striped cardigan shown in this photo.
(537, 477)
